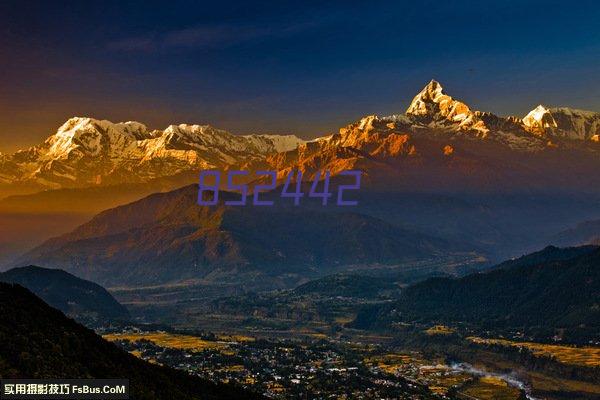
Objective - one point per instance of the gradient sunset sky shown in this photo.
(285, 67)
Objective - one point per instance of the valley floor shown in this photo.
(351, 364)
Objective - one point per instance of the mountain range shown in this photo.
(437, 142)
(426, 175)
(167, 237)
(433, 108)
(440, 144)
(86, 152)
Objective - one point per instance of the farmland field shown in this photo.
(586, 356)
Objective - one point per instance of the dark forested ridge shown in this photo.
(37, 341)
(547, 255)
(80, 299)
(346, 285)
(555, 294)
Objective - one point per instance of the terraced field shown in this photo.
(489, 388)
(174, 341)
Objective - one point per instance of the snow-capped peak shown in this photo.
(87, 151)
(434, 107)
(85, 135)
(281, 143)
(563, 122)
(432, 93)
(539, 120)
(538, 112)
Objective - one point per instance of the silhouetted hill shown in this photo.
(555, 294)
(80, 299)
(37, 341)
(548, 254)
(346, 285)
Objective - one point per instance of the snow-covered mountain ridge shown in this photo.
(440, 143)
(436, 115)
(87, 151)
(435, 109)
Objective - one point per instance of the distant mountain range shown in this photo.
(441, 144)
(438, 142)
(87, 152)
(435, 109)
(166, 237)
(38, 341)
(87, 302)
(554, 288)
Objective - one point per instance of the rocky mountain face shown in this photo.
(440, 143)
(434, 108)
(563, 122)
(87, 151)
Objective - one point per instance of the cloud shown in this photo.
(208, 36)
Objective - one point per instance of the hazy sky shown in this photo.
(285, 67)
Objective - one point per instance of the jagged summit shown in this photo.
(433, 107)
(539, 120)
(429, 100)
(436, 109)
